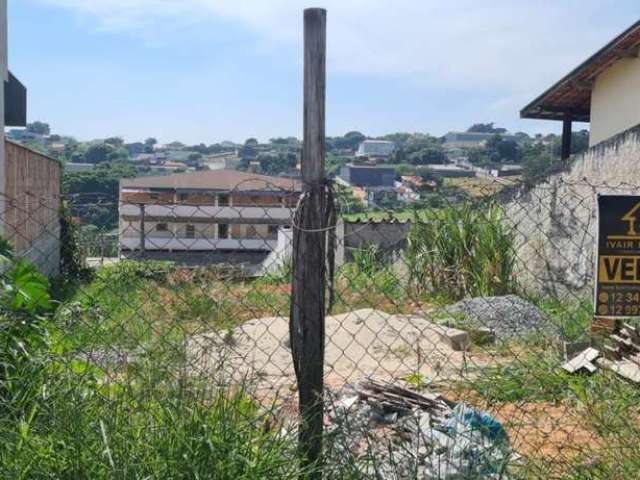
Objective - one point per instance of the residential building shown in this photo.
(375, 149)
(222, 161)
(376, 180)
(454, 140)
(207, 211)
(603, 90)
(417, 183)
(168, 166)
(368, 175)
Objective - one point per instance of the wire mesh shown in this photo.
(472, 303)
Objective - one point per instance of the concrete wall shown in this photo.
(615, 100)
(555, 223)
(390, 237)
(32, 209)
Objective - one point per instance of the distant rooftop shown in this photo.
(220, 180)
(367, 166)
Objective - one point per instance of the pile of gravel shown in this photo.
(509, 317)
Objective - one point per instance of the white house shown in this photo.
(604, 90)
(375, 148)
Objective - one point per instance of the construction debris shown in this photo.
(384, 430)
(621, 356)
(583, 362)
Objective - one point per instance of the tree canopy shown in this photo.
(486, 128)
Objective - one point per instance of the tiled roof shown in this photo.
(219, 180)
(572, 94)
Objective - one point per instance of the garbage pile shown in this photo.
(384, 431)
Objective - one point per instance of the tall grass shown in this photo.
(368, 275)
(76, 426)
(62, 417)
(461, 250)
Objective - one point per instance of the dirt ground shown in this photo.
(365, 342)
(372, 343)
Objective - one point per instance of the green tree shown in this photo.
(115, 141)
(39, 128)
(537, 167)
(579, 142)
(276, 164)
(486, 128)
(98, 153)
(95, 194)
(149, 143)
(501, 150)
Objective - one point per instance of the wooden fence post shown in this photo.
(309, 250)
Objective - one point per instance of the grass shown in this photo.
(82, 429)
(64, 418)
(572, 317)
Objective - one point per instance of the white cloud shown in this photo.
(512, 47)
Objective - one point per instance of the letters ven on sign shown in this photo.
(618, 264)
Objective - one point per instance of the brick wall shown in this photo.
(32, 206)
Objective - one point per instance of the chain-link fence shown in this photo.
(448, 324)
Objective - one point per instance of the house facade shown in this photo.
(603, 90)
(221, 210)
(452, 140)
(375, 149)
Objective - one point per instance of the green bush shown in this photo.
(461, 250)
(367, 272)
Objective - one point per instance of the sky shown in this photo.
(203, 71)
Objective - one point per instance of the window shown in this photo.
(251, 232)
(190, 231)
(223, 200)
(162, 227)
(223, 230)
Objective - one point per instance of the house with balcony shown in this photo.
(207, 211)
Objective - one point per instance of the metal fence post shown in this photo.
(142, 231)
(309, 249)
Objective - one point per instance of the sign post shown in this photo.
(617, 292)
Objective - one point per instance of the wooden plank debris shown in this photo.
(624, 368)
(583, 361)
(621, 356)
(603, 326)
(398, 399)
